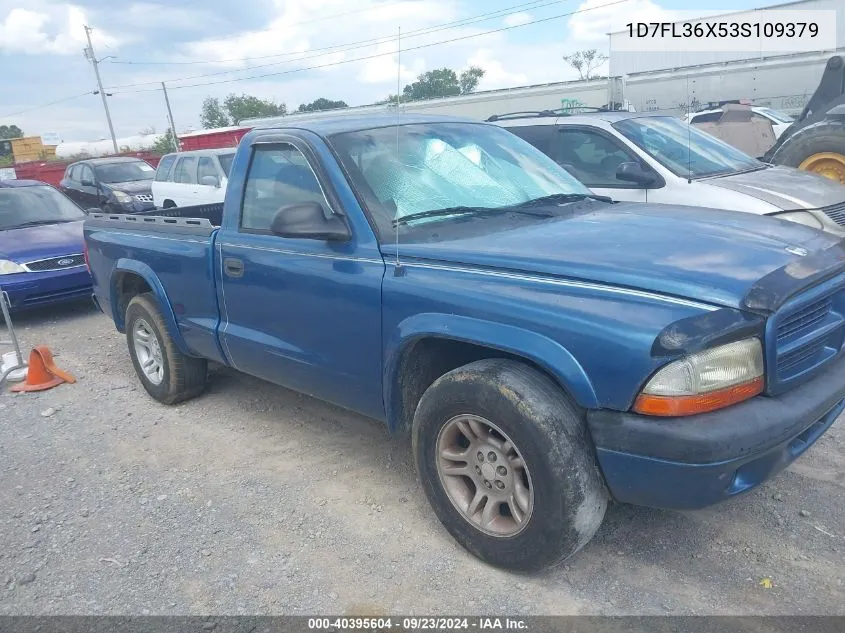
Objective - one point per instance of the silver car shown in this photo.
(641, 157)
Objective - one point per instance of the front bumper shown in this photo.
(695, 462)
(29, 290)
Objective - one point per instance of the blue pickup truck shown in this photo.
(546, 349)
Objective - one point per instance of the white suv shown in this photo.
(197, 177)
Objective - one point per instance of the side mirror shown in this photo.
(90, 210)
(210, 181)
(307, 220)
(86, 182)
(634, 172)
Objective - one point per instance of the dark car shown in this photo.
(42, 257)
(116, 185)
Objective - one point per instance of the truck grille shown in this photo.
(56, 263)
(809, 331)
(836, 212)
(144, 197)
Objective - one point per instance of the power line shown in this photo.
(339, 48)
(45, 105)
(348, 61)
(318, 19)
(375, 40)
(376, 55)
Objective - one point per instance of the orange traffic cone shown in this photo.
(43, 373)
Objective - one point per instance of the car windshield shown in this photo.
(124, 172)
(684, 149)
(226, 162)
(30, 206)
(426, 168)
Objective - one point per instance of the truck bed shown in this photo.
(201, 219)
(212, 212)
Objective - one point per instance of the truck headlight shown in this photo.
(8, 267)
(705, 381)
(122, 198)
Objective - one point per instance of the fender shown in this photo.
(124, 265)
(545, 352)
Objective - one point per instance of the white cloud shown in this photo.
(57, 30)
(148, 15)
(597, 18)
(495, 74)
(515, 19)
(382, 70)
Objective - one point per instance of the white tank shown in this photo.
(104, 147)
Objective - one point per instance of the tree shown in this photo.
(212, 114)
(443, 82)
(236, 108)
(246, 107)
(321, 104)
(165, 144)
(470, 79)
(586, 61)
(10, 131)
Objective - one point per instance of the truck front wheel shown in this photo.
(507, 464)
(167, 374)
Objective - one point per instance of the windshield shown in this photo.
(226, 162)
(683, 148)
(124, 172)
(22, 206)
(413, 169)
(782, 117)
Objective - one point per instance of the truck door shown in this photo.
(303, 313)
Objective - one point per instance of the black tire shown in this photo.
(824, 136)
(570, 497)
(184, 376)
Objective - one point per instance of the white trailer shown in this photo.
(785, 82)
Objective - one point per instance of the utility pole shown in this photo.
(170, 118)
(89, 54)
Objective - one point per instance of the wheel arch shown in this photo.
(130, 278)
(426, 346)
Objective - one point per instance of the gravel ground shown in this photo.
(255, 500)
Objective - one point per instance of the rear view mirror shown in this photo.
(635, 173)
(93, 210)
(86, 182)
(210, 181)
(307, 220)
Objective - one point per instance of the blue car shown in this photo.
(41, 247)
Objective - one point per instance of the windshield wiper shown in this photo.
(39, 223)
(557, 198)
(464, 210)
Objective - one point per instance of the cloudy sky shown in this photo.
(338, 49)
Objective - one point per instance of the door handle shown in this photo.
(233, 267)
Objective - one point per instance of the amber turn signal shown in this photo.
(671, 406)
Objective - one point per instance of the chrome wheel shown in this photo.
(148, 351)
(484, 475)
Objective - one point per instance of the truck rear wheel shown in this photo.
(507, 464)
(818, 148)
(167, 374)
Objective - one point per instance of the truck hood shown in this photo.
(41, 242)
(701, 254)
(784, 187)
